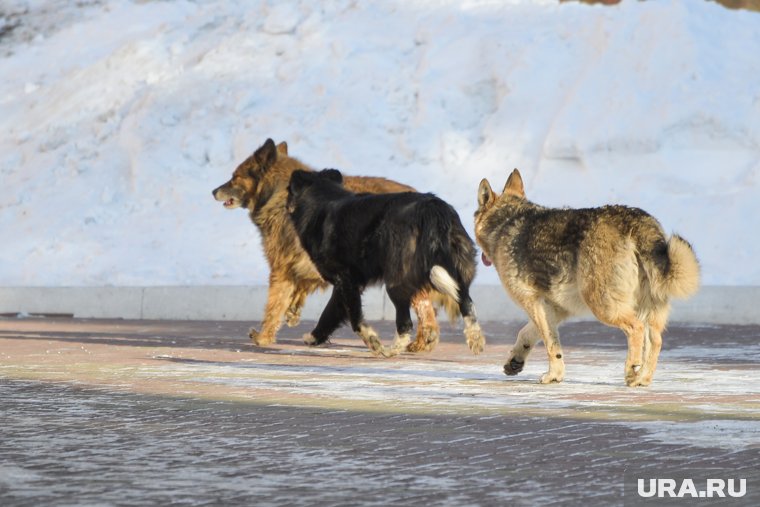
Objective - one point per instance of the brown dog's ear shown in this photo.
(485, 194)
(282, 149)
(266, 155)
(514, 185)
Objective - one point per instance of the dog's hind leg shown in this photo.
(634, 330)
(428, 332)
(459, 291)
(280, 292)
(401, 301)
(474, 337)
(652, 346)
(293, 314)
(610, 280)
(332, 316)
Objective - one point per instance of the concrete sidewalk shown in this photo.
(148, 412)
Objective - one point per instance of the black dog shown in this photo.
(407, 240)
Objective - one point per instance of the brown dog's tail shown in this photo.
(449, 304)
(676, 272)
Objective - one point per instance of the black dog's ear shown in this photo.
(298, 180)
(266, 155)
(332, 174)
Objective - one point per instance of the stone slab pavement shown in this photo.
(119, 412)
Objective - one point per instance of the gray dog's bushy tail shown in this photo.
(678, 276)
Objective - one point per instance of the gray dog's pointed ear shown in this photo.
(266, 155)
(485, 193)
(332, 175)
(282, 149)
(514, 185)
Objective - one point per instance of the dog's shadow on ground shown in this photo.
(372, 371)
(331, 350)
(365, 370)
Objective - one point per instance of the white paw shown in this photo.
(309, 339)
(550, 378)
(400, 343)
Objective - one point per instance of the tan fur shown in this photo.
(260, 184)
(614, 262)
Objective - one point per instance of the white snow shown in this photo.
(118, 119)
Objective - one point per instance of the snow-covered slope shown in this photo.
(118, 119)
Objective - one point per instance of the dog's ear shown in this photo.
(298, 180)
(282, 149)
(485, 194)
(332, 175)
(514, 185)
(266, 155)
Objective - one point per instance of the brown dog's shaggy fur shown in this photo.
(260, 184)
(615, 262)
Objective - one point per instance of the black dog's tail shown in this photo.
(443, 283)
(450, 256)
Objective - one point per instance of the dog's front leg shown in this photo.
(293, 314)
(545, 320)
(332, 316)
(401, 301)
(352, 299)
(280, 292)
(526, 339)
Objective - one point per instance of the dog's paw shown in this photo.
(513, 366)
(400, 344)
(372, 341)
(309, 339)
(551, 378)
(383, 351)
(636, 377)
(475, 340)
(259, 339)
(292, 316)
(416, 346)
(427, 339)
(312, 341)
(639, 382)
(632, 374)
(474, 335)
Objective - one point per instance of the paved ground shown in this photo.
(153, 412)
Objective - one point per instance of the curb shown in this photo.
(712, 305)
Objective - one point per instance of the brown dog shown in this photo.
(615, 262)
(260, 185)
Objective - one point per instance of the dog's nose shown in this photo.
(213, 192)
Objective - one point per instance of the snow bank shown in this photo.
(118, 119)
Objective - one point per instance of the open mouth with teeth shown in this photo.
(229, 203)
